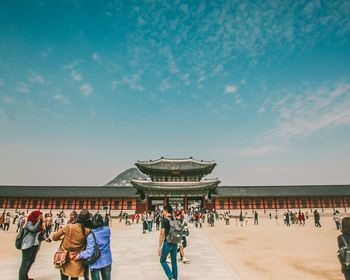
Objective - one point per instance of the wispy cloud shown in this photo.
(86, 90)
(9, 100)
(61, 98)
(302, 112)
(95, 56)
(231, 89)
(76, 75)
(22, 87)
(36, 79)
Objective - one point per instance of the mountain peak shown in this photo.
(124, 178)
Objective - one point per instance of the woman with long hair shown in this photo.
(102, 234)
(30, 243)
(73, 238)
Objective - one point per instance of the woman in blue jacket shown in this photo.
(103, 265)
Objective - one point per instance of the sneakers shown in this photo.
(185, 260)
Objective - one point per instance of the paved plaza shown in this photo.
(135, 257)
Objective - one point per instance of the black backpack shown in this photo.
(344, 254)
(19, 239)
(175, 232)
(95, 255)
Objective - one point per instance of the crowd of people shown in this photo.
(79, 233)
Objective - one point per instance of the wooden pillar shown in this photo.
(263, 199)
(146, 203)
(186, 203)
(344, 205)
(229, 202)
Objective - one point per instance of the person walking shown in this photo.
(73, 238)
(337, 219)
(317, 218)
(21, 222)
(256, 218)
(7, 221)
(30, 243)
(344, 241)
(164, 247)
(241, 218)
(102, 234)
(183, 243)
(2, 219)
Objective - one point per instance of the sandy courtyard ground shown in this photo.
(268, 251)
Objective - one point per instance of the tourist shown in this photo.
(227, 218)
(287, 219)
(107, 220)
(157, 221)
(74, 239)
(270, 215)
(241, 219)
(183, 244)
(344, 241)
(30, 243)
(48, 223)
(317, 218)
(137, 217)
(7, 221)
(21, 222)
(337, 219)
(144, 223)
(301, 218)
(15, 217)
(256, 218)
(103, 265)
(150, 221)
(2, 219)
(57, 222)
(276, 217)
(166, 247)
(72, 217)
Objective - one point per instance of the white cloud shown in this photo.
(95, 56)
(230, 89)
(257, 151)
(86, 89)
(22, 87)
(309, 111)
(76, 75)
(36, 79)
(61, 98)
(9, 100)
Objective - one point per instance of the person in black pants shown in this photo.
(30, 243)
(344, 241)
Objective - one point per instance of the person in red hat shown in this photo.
(30, 243)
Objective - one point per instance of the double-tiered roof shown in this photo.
(176, 167)
(176, 176)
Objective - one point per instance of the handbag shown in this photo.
(95, 255)
(61, 256)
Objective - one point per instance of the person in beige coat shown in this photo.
(74, 240)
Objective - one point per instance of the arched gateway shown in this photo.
(175, 181)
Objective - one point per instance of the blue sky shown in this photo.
(89, 87)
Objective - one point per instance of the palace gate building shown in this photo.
(175, 181)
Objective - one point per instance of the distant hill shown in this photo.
(124, 178)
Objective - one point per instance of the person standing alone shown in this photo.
(166, 245)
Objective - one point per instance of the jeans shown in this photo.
(172, 249)
(65, 277)
(6, 226)
(28, 258)
(104, 271)
(346, 274)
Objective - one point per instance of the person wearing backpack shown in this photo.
(344, 249)
(101, 235)
(169, 237)
(30, 243)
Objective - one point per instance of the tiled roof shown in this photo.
(66, 191)
(271, 191)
